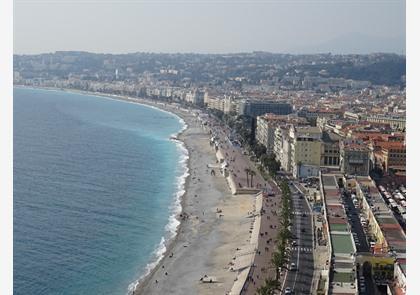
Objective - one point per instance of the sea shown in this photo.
(97, 187)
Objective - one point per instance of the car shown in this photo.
(288, 290)
(300, 196)
(293, 267)
(294, 243)
(304, 215)
(303, 230)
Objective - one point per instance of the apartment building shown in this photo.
(390, 154)
(330, 149)
(397, 123)
(267, 124)
(354, 158)
(282, 147)
(255, 108)
(305, 150)
(215, 103)
(387, 234)
(264, 134)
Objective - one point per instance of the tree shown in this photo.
(268, 288)
(259, 150)
(252, 173)
(279, 261)
(264, 290)
(247, 171)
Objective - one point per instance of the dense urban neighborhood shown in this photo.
(321, 136)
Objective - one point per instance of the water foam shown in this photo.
(175, 208)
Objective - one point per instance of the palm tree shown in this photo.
(264, 290)
(252, 173)
(268, 288)
(278, 260)
(247, 170)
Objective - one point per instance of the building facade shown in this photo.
(305, 152)
(397, 123)
(354, 158)
(330, 149)
(282, 147)
(267, 124)
(254, 108)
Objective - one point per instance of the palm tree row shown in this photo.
(249, 172)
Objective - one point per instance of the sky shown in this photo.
(205, 26)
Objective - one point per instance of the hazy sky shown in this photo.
(292, 26)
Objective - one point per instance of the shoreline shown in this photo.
(203, 245)
(171, 240)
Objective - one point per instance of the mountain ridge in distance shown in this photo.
(357, 43)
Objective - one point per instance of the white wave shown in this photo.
(158, 254)
(175, 208)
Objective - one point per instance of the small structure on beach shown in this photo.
(208, 279)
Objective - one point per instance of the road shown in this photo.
(362, 245)
(300, 281)
(356, 226)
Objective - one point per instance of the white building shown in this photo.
(266, 125)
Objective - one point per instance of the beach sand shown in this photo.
(206, 242)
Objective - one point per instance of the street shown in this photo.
(300, 280)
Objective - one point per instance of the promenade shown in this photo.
(256, 270)
(226, 243)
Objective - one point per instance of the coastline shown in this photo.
(168, 242)
(204, 243)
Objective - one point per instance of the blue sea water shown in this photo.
(96, 188)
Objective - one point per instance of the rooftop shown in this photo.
(342, 243)
(308, 130)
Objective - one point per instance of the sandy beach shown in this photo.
(206, 240)
(216, 226)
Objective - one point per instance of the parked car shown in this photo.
(293, 266)
(287, 291)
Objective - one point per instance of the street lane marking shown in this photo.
(301, 213)
(302, 249)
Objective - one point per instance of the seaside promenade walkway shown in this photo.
(236, 166)
(263, 268)
(256, 270)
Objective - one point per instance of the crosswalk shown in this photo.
(301, 249)
(301, 213)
